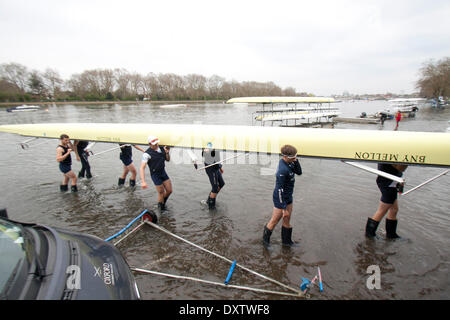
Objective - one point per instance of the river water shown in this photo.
(331, 204)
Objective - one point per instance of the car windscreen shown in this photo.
(12, 249)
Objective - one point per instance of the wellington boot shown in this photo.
(266, 236)
(211, 203)
(63, 187)
(286, 236)
(371, 228)
(121, 182)
(74, 188)
(161, 206)
(391, 229)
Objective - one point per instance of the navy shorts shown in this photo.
(65, 167)
(287, 199)
(127, 160)
(388, 194)
(159, 177)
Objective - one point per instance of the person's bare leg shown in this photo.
(125, 172)
(131, 168)
(276, 217)
(393, 210)
(287, 216)
(381, 211)
(277, 214)
(167, 189)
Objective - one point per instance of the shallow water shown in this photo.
(331, 204)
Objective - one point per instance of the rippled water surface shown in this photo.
(331, 204)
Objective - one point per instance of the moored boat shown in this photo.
(23, 108)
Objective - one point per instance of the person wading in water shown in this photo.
(288, 167)
(155, 157)
(214, 173)
(388, 202)
(63, 151)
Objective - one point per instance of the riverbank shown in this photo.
(49, 103)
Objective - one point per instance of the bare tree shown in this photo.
(166, 86)
(435, 79)
(36, 84)
(195, 86)
(214, 86)
(53, 82)
(289, 92)
(75, 85)
(150, 85)
(106, 81)
(122, 78)
(15, 74)
(136, 84)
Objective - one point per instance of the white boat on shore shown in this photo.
(406, 105)
(173, 106)
(23, 108)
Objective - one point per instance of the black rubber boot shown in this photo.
(391, 229)
(166, 198)
(121, 182)
(88, 174)
(74, 188)
(266, 236)
(211, 203)
(371, 228)
(286, 236)
(161, 206)
(64, 187)
(132, 183)
(81, 174)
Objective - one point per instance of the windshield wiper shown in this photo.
(40, 271)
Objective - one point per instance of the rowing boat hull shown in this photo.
(421, 148)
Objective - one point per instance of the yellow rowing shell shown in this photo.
(420, 148)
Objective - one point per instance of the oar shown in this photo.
(375, 171)
(426, 182)
(193, 158)
(25, 145)
(89, 147)
(115, 148)
(218, 162)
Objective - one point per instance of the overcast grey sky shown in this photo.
(323, 47)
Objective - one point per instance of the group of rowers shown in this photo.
(155, 157)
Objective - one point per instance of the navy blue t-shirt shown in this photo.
(285, 180)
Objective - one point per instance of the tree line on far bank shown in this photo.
(19, 84)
